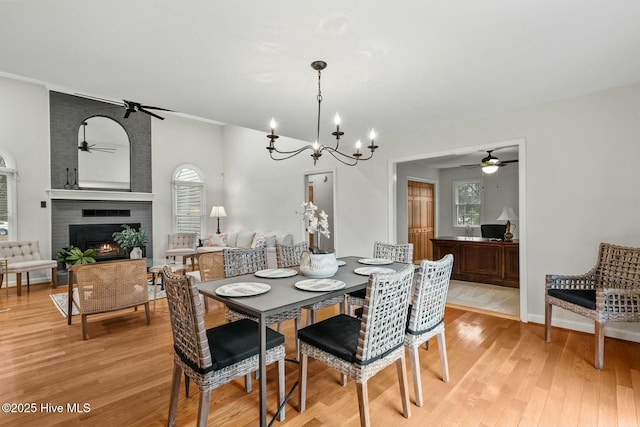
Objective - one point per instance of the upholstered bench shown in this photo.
(24, 257)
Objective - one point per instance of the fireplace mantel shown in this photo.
(127, 196)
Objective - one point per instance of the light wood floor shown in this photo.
(502, 374)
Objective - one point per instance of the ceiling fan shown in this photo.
(84, 145)
(131, 106)
(491, 163)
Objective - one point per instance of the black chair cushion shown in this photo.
(233, 342)
(584, 298)
(337, 335)
(359, 293)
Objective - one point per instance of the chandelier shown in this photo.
(316, 148)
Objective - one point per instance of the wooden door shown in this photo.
(421, 218)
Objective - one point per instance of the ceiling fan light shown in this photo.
(489, 168)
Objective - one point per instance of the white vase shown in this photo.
(318, 266)
(135, 253)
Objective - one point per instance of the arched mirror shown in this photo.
(103, 155)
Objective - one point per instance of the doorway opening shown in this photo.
(402, 170)
(319, 188)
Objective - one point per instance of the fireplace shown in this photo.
(99, 238)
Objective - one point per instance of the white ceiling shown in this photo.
(392, 65)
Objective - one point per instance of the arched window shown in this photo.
(8, 217)
(188, 200)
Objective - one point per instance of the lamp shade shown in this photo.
(507, 215)
(218, 211)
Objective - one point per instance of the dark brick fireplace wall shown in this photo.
(67, 112)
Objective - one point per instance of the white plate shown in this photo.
(341, 263)
(365, 271)
(243, 289)
(320, 285)
(276, 273)
(375, 261)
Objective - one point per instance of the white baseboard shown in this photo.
(610, 329)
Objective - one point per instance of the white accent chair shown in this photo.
(24, 257)
(181, 245)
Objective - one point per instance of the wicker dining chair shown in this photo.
(289, 256)
(212, 357)
(609, 292)
(402, 252)
(426, 318)
(244, 261)
(360, 349)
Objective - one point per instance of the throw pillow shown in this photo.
(245, 238)
(219, 239)
(259, 241)
(232, 240)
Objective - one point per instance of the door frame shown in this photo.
(392, 180)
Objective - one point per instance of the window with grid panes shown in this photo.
(188, 201)
(467, 203)
(8, 174)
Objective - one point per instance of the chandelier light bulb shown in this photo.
(316, 145)
(372, 135)
(272, 124)
(336, 120)
(358, 145)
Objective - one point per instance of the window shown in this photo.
(467, 202)
(188, 200)
(8, 173)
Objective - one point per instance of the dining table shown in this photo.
(287, 293)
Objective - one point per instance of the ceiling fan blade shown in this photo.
(104, 150)
(508, 161)
(151, 114)
(149, 107)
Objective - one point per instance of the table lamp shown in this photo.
(508, 215)
(218, 211)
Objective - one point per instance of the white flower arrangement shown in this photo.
(315, 223)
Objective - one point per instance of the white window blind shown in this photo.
(188, 191)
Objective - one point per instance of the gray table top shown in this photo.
(283, 294)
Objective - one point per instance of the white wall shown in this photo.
(176, 141)
(24, 135)
(581, 162)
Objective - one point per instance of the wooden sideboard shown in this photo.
(477, 259)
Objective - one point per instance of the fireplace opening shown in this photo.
(99, 238)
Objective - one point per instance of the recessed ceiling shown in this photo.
(391, 65)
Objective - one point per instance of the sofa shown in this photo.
(247, 239)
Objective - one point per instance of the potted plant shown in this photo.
(129, 239)
(316, 262)
(74, 256)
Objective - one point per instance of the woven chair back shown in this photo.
(208, 265)
(289, 255)
(244, 261)
(398, 253)
(385, 313)
(430, 294)
(98, 291)
(618, 267)
(187, 324)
